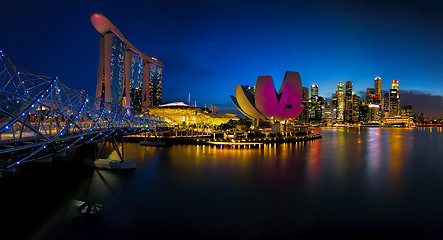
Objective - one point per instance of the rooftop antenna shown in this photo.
(189, 99)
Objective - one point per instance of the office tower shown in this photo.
(394, 99)
(314, 92)
(341, 102)
(376, 101)
(126, 76)
(377, 86)
(373, 104)
(373, 113)
(315, 113)
(394, 85)
(348, 102)
(406, 110)
(334, 100)
(363, 113)
(329, 113)
(322, 101)
(305, 94)
(394, 102)
(355, 107)
(386, 104)
(303, 117)
(370, 95)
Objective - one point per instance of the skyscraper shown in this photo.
(334, 99)
(370, 95)
(348, 102)
(394, 102)
(394, 85)
(125, 75)
(373, 113)
(377, 86)
(314, 92)
(394, 99)
(341, 102)
(386, 105)
(304, 115)
(305, 95)
(355, 107)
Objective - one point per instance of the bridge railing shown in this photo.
(40, 114)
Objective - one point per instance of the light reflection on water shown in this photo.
(374, 156)
(351, 177)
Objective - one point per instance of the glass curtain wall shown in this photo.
(155, 86)
(117, 69)
(136, 81)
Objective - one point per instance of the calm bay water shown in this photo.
(367, 182)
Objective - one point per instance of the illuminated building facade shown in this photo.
(341, 102)
(179, 113)
(125, 75)
(377, 86)
(348, 102)
(329, 113)
(266, 103)
(394, 85)
(305, 96)
(334, 100)
(355, 107)
(363, 114)
(304, 115)
(394, 99)
(406, 110)
(394, 102)
(314, 92)
(370, 95)
(386, 104)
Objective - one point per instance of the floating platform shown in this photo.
(234, 144)
(155, 144)
(110, 164)
(220, 141)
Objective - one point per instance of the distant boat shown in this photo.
(149, 143)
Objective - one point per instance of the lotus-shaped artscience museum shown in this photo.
(266, 102)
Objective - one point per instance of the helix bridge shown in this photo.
(40, 116)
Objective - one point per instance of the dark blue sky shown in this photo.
(209, 47)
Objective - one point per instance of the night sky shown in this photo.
(209, 47)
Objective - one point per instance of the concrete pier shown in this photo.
(110, 164)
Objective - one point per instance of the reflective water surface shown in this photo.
(354, 182)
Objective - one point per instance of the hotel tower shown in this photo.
(125, 75)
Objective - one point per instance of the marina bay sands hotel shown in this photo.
(125, 74)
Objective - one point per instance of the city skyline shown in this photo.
(213, 45)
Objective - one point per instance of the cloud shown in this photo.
(422, 102)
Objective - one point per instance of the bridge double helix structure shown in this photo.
(41, 116)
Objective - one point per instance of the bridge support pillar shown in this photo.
(111, 163)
